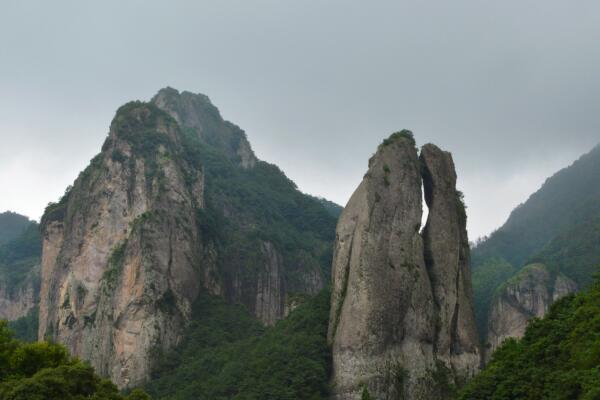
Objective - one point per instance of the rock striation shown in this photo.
(401, 323)
(527, 295)
(173, 205)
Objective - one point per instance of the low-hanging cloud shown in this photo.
(510, 88)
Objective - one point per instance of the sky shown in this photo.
(511, 88)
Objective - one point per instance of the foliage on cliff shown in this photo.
(559, 226)
(228, 355)
(45, 371)
(558, 358)
(19, 257)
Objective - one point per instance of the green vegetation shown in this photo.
(486, 279)
(26, 328)
(558, 358)
(11, 226)
(263, 205)
(44, 371)
(558, 226)
(403, 134)
(226, 354)
(19, 261)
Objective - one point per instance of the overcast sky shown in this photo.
(511, 88)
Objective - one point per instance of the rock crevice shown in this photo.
(401, 313)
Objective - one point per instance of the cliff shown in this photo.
(176, 203)
(401, 323)
(527, 295)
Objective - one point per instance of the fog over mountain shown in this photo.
(510, 88)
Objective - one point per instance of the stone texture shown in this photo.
(529, 294)
(399, 321)
(125, 254)
(447, 260)
(196, 111)
(120, 271)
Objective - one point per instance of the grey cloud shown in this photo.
(511, 88)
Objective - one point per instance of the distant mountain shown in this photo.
(565, 200)
(558, 227)
(12, 225)
(19, 274)
(557, 358)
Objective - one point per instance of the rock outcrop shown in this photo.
(171, 206)
(528, 294)
(401, 323)
(122, 258)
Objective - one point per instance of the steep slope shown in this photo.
(401, 321)
(19, 274)
(564, 200)
(527, 295)
(227, 354)
(12, 225)
(557, 226)
(557, 358)
(175, 203)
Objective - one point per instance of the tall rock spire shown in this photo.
(401, 323)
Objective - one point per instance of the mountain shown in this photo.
(20, 254)
(174, 207)
(11, 226)
(557, 358)
(401, 322)
(557, 227)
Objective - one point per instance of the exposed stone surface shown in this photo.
(529, 294)
(196, 111)
(401, 318)
(129, 247)
(18, 302)
(447, 260)
(121, 269)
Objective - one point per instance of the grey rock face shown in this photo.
(529, 294)
(401, 317)
(121, 269)
(196, 111)
(447, 260)
(127, 250)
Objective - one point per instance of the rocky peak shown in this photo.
(528, 294)
(401, 317)
(196, 111)
(122, 260)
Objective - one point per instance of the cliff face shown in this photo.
(401, 321)
(172, 205)
(529, 294)
(122, 259)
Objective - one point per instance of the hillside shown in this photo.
(558, 358)
(11, 226)
(556, 226)
(19, 274)
(175, 204)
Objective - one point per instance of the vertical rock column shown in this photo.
(401, 323)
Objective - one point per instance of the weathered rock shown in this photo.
(196, 111)
(447, 260)
(122, 267)
(401, 324)
(129, 247)
(528, 294)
